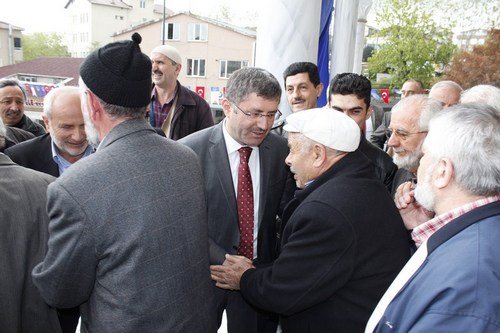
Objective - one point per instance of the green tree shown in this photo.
(42, 44)
(412, 45)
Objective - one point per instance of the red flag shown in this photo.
(385, 95)
(200, 90)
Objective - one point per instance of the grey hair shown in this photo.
(117, 111)
(483, 93)
(13, 83)
(446, 84)
(249, 80)
(468, 135)
(428, 108)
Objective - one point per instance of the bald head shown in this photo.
(447, 92)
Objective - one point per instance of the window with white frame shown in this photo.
(197, 32)
(172, 31)
(195, 67)
(227, 67)
(142, 4)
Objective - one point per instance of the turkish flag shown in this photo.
(200, 90)
(385, 95)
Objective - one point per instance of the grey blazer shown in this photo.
(276, 184)
(23, 243)
(128, 237)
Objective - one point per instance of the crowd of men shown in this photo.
(130, 211)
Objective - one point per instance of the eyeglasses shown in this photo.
(400, 134)
(257, 115)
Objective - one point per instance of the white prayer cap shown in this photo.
(326, 126)
(170, 52)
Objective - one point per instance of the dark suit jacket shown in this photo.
(378, 137)
(23, 243)
(276, 187)
(385, 169)
(339, 253)
(377, 116)
(35, 154)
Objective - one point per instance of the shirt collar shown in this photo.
(61, 162)
(422, 232)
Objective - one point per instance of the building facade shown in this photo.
(93, 22)
(11, 49)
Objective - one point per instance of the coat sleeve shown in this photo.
(440, 321)
(316, 260)
(66, 276)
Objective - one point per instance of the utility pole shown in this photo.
(163, 30)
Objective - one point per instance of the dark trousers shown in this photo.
(68, 319)
(241, 316)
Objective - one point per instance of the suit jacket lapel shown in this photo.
(265, 173)
(218, 154)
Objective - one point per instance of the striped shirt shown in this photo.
(425, 230)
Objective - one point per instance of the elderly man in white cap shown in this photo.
(174, 108)
(339, 251)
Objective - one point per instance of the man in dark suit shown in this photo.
(338, 255)
(128, 238)
(66, 141)
(52, 153)
(250, 106)
(23, 244)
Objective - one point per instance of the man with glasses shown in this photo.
(410, 87)
(406, 133)
(247, 185)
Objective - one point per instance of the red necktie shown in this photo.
(245, 204)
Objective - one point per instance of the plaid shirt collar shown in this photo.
(425, 230)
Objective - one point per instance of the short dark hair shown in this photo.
(303, 67)
(249, 80)
(13, 83)
(351, 83)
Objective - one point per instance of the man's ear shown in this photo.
(319, 89)
(319, 152)
(443, 173)
(46, 121)
(94, 106)
(226, 106)
(369, 112)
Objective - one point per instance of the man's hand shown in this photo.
(411, 212)
(228, 275)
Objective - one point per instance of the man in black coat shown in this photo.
(12, 100)
(350, 93)
(339, 252)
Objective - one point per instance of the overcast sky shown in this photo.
(45, 16)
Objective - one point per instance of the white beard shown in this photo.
(90, 130)
(408, 162)
(423, 192)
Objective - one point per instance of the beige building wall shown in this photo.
(223, 44)
(9, 53)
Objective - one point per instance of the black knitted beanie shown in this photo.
(119, 73)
